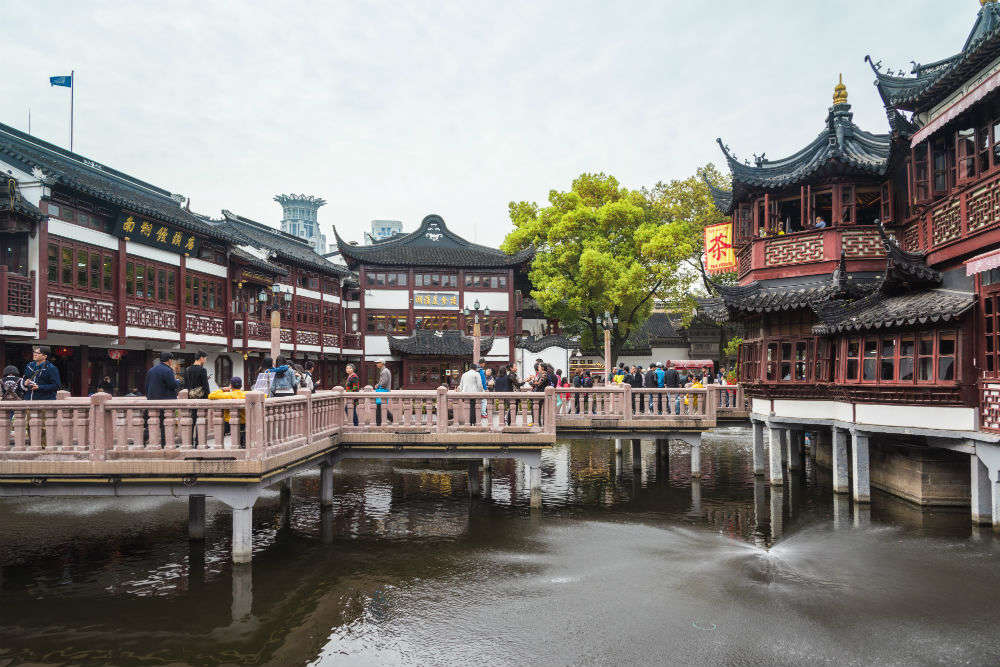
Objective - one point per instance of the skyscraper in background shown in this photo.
(383, 229)
(299, 218)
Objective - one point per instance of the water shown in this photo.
(619, 568)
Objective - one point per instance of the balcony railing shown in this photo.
(18, 293)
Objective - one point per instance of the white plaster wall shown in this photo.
(331, 298)
(557, 356)
(307, 293)
(202, 338)
(86, 327)
(376, 346)
(961, 419)
(387, 298)
(211, 268)
(672, 353)
(534, 327)
(500, 349)
(138, 332)
(68, 230)
(149, 252)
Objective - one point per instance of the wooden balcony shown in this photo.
(17, 293)
(810, 252)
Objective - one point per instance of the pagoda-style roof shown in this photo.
(721, 197)
(58, 166)
(879, 311)
(432, 244)
(757, 298)
(438, 344)
(251, 257)
(841, 149)
(12, 201)
(657, 330)
(927, 85)
(244, 231)
(536, 345)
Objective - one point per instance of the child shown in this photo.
(13, 385)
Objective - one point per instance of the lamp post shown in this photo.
(608, 323)
(476, 332)
(281, 295)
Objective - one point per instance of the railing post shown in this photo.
(550, 410)
(340, 408)
(308, 415)
(255, 424)
(100, 426)
(712, 404)
(626, 410)
(442, 409)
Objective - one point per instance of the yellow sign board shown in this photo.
(719, 255)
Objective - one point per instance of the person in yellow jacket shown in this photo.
(233, 391)
(694, 399)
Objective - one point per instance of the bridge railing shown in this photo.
(730, 400)
(623, 405)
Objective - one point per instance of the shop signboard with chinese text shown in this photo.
(436, 300)
(157, 234)
(719, 255)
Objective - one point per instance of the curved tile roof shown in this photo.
(432, 244)
(929, 84)
(11, 200)
(93, 179)
(841, 148)
(438, 343)
(879, 311)
(536, 345)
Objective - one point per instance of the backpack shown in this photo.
(587, 382)
(282, 384)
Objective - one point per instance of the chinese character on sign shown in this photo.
(719, 256)
(146, 229)
(129, 224)
(452, 300)
(190, 244)
(176, 240)
(161, 234)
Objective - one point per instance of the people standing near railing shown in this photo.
(41, 377)
(383, 386)
(161, 385)
(106, 385)
(11, 389)
(282, 380)
(471, 383)
(649, 380)
(231, 417)
(672, 380)
(635, 380)
(352, 384)
(502, 384)
(308, 381)
(661, 381)
(263, 380)
(196, 382)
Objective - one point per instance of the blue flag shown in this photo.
(66, 80)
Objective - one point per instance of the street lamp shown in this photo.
(281, 295)
(608, 323)
(476, 333)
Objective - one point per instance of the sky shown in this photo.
(401, 109)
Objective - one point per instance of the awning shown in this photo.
(688, 364)
(960, 105)
(984, 262)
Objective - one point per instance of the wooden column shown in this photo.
(84, 369)
(229, 319)
(120, 290)
(42, 283)
(182, 300)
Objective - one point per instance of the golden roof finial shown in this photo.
(840, 92)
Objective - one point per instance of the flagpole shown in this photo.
(72, 88)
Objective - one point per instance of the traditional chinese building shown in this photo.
(414, 290)
(868, 268)
(109, 270)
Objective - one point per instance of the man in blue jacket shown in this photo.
(41, 377)
(161, 381)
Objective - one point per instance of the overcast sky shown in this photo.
(400, 109)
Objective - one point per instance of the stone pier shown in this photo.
(860, 468)
(196, 517)
(776, 437)
(759, 455)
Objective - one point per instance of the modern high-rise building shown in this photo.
(383, 229)
(299, 218)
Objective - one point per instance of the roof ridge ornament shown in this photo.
(840, 92)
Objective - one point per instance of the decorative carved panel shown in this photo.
(150, 318)
(947, 223)
(862, 243)
(795, 250)
(308, 338)
(77, 308)
(984, 206)
(203, 324)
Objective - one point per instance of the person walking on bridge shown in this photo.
(161, 385)
(471, 383)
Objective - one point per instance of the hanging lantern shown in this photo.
(63, 352)
(116, 355)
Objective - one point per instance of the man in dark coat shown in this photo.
(196, 382)
(634, 378)
(41, 377)
(650, 381)
(161, 381)
(672, 380)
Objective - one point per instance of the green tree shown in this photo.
(601, 247)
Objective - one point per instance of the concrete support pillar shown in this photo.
(242, 534)
(795, 449)
(325, 485)
(841, 475)
(860, 464)
(696, 496)
(242, 605)
(841, 512)
(777, 511)
(618, 444)
(759, 501)
(982, 496)
(487, 491)
(326, 524)
(759, 457)
(862, 515)
(775, 439)
(196, 517)
(996, 503)
(696, 459)
(473, 478)
(535, 481)
(636, 454)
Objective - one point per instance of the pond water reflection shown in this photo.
(623, 565)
